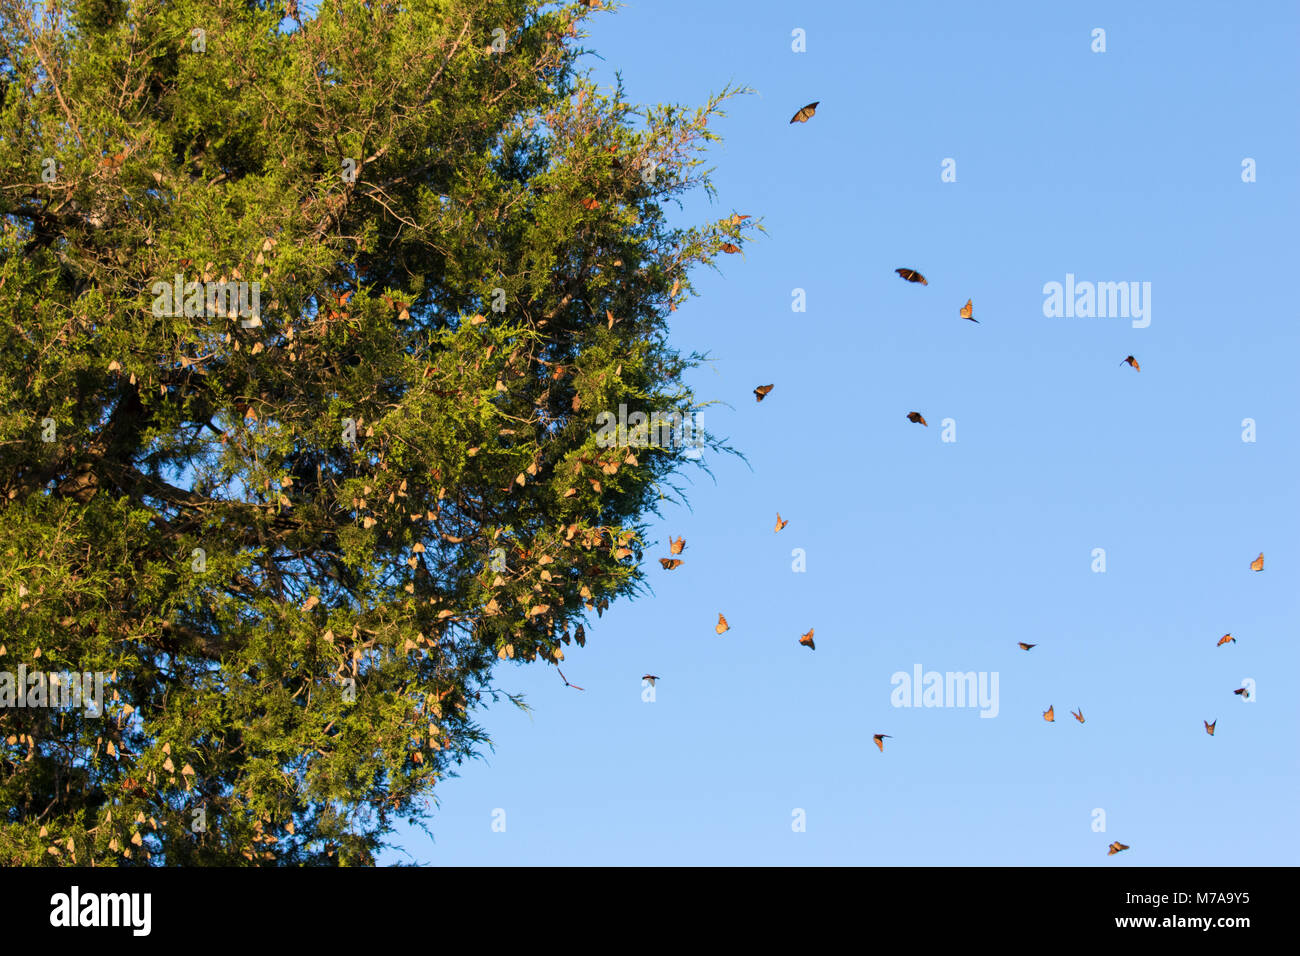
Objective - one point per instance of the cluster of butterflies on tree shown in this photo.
(967, 311)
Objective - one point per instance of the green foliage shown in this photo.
(296, 626)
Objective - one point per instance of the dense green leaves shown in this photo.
(298, 542)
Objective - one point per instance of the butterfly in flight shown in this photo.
(1243, 692)
(722, 626)
(651, 678)
(736, 219)
(675, 547)
(807, 640)
(911, 275)
(1258, 563)
(566, 680)
(805, 114)
(1077, 714)
(1049, 715)
(670, 563)
(761, 392)
(916, 418)
(968, 312)
(1209, 726)
(779, 523)
(1024, 646)
(1225, 639)
(1132, 361)
(1116, 847)
(880, 741)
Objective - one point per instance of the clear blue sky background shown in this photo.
(1116, 167)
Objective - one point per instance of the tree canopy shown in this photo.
(304, 331)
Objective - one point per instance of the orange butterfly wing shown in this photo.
(806, 113)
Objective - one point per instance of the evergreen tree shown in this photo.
(304, 332)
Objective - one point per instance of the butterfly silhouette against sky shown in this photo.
(806, 113)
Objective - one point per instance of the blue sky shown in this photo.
(1116, 166)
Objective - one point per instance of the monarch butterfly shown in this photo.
(590, 204)
(722, 625)
(736, 219)
(675, 547)
(1258, 563)
(566, 680)
(1049, 715)
(670, 563)
(779, 523)
(761, 392)
(1243, 692)
(1225, 639)
(1077, 714)
(1132, 361)
(807, 639)
(1024, 646)
(968, 312)
(1209, 726)
(1116, 847)
(880, 741)
(805, 114)
(916, 418)
(651, 678)
(911, 275)
(730, 248)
